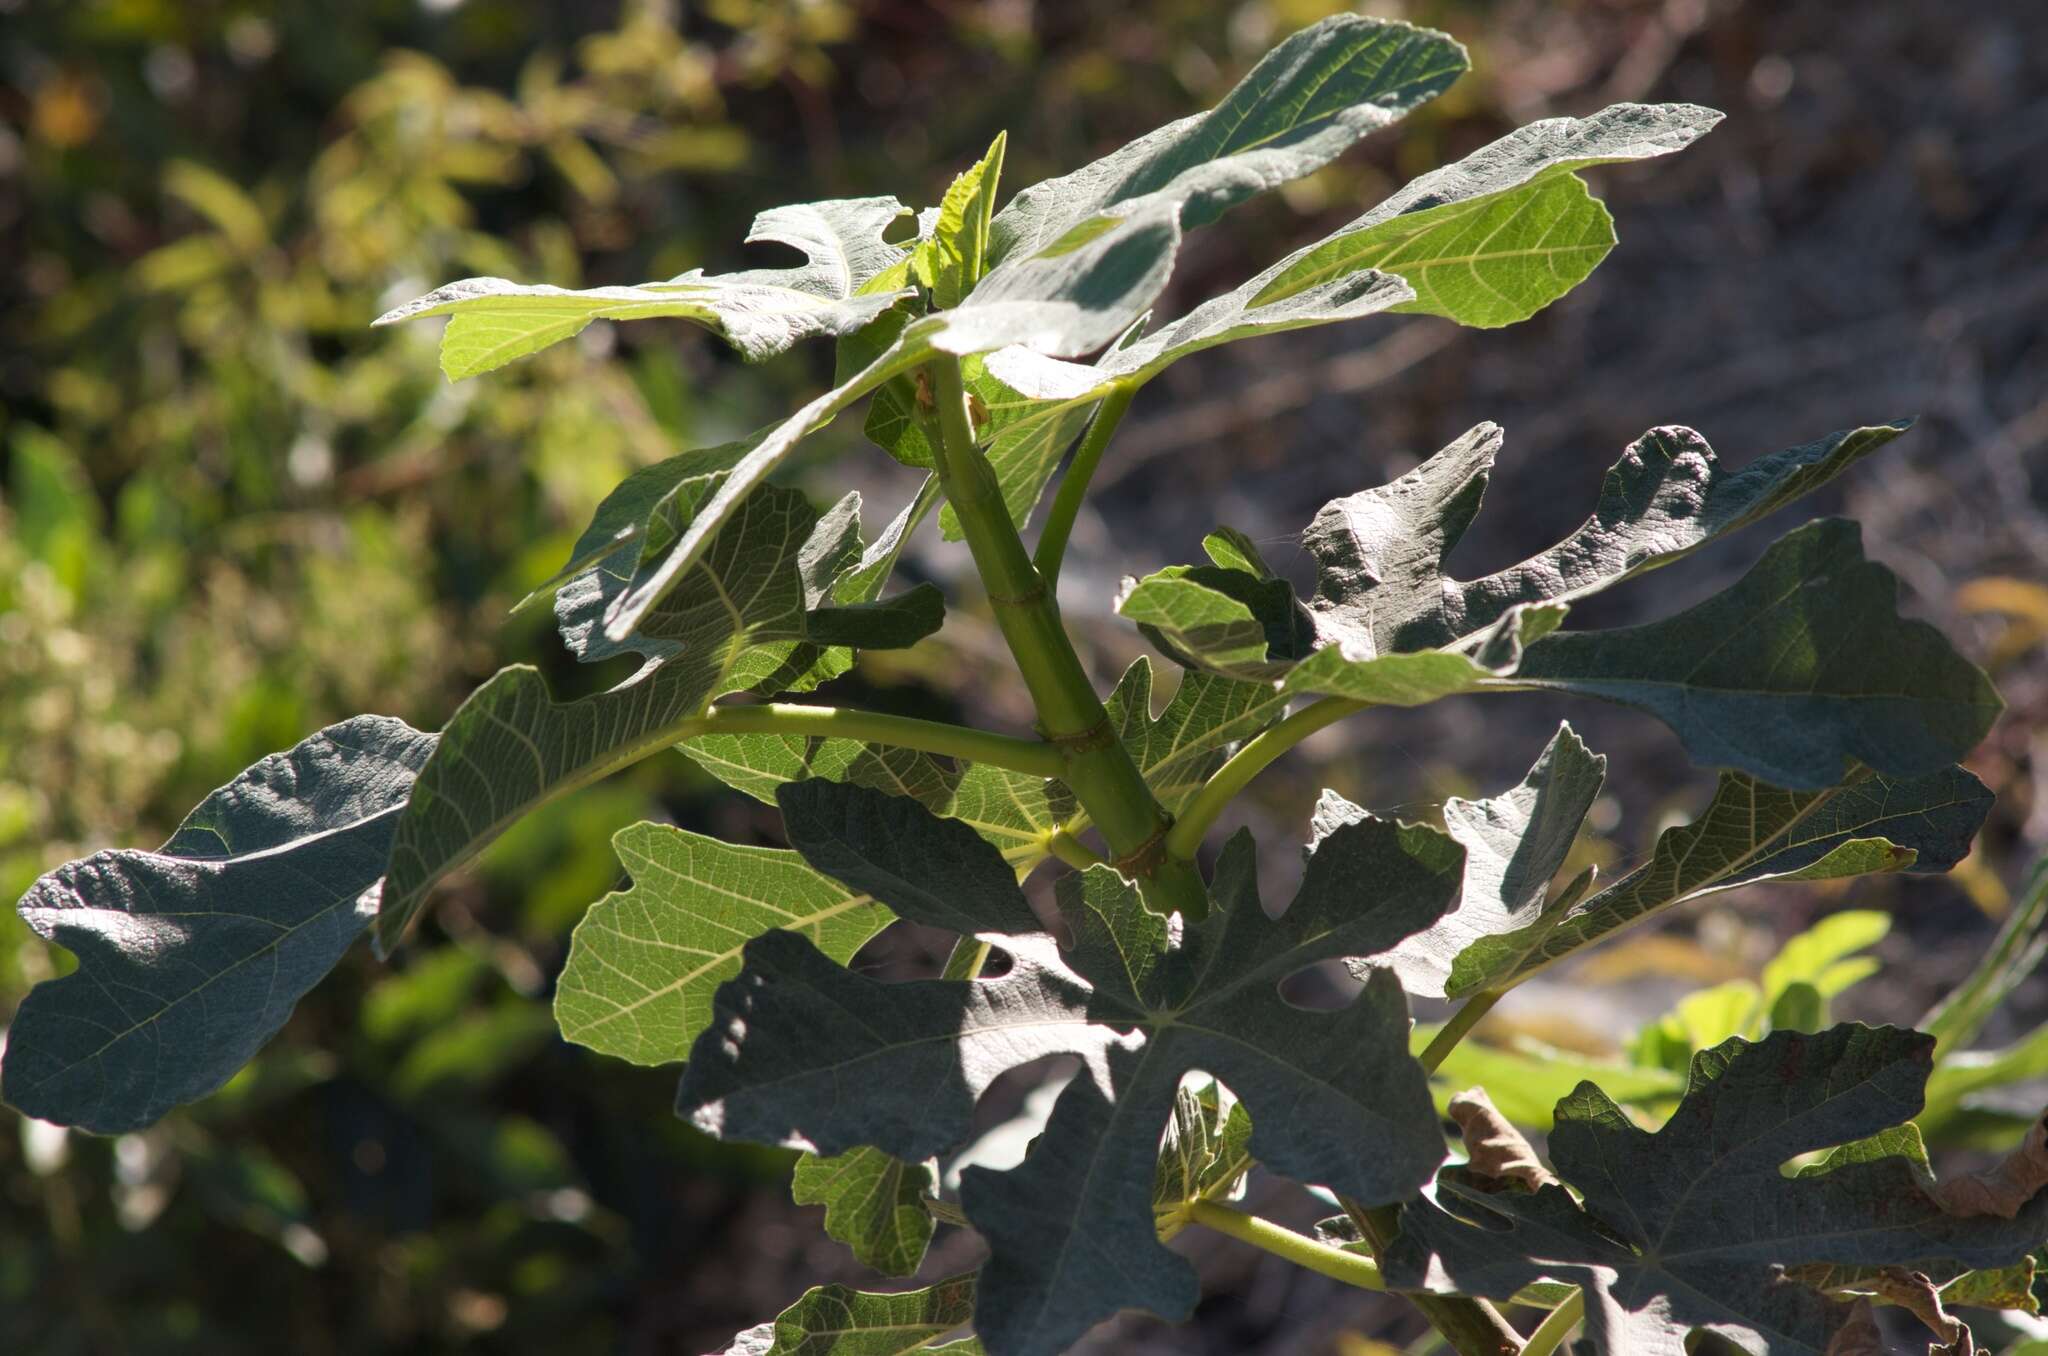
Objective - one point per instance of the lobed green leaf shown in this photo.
(1751, 832)
(644, 962)
(837, 1320)
(1305, 103)
(1504, 232)
(1514, 844)
(1800, 668)
(1693, 1226)
(191, 957)
(873, 1203)
(1487, 241)
(1072, 1231)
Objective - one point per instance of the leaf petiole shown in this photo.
(1460, 1024)
(1321, 1258)
(1072, 850)
(1556, 1326)
(1184, 839)
(1470, 1327)
(1066, 504)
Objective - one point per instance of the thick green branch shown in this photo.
(1034, 756)
(1335, 1263)
(1227, 781)
(1095, 764)
(1073, 491)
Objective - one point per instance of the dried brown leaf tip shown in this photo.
(2002, 1190)
(1919, 1296)
(1860, 1335)
(1964, 1345)
(1496, 1148)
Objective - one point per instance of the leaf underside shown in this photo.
(191, 957)
(761, 312)
(1792, 674)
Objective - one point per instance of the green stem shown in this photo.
(1556, 1326)
(1454, 1030)
(1471, 1327)
(1335, 1263)
(1033, 756)
(969, 955)
(1066, 505)
(1096, 764)
(2015, 951)
(1072, 850)
(1227, 781)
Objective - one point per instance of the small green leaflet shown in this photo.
(1507, 230)
(1514, 844)
(511, 746)
(1751, 832)
(1692, 1227)
(1304, 104)
(192, 956)
(760, 312)
(644, 962)
(1204, 1155)
(874, 1204)
(1797, 986)
(951, 258)
(837, 1320)
(1072, 1230)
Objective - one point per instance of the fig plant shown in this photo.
(988, 344)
